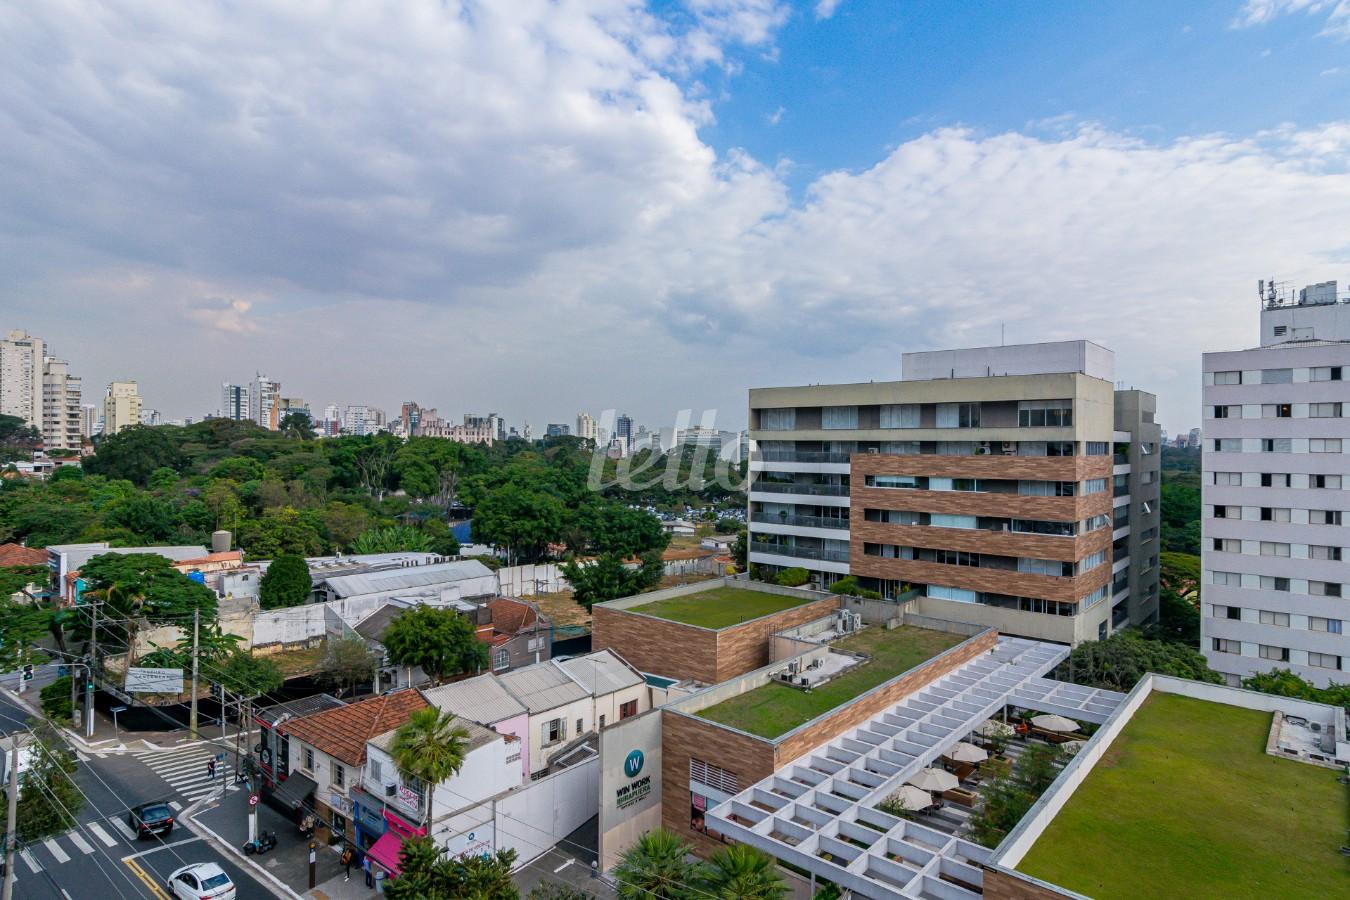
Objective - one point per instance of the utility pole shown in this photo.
(192, 719)
(12, 818)
(89, 684)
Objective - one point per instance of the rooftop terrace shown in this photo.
(720, 607)
(1186, 803)
(775, 708)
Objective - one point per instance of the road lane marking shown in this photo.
(84, 846)
(55, 849)
(563, 866)
(175, 806)
(28, 858)
(124, 828)
(149, 882)
(97, 829)
(80, 756)
(191, 840)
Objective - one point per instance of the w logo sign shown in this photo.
(633, 764)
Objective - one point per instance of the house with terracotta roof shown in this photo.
(329, 747)
(516, 631)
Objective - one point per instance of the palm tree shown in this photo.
(739, 872)
(655, 868)
(430, 747)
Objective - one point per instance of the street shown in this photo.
(101, 858)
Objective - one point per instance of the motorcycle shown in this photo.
(266, 841)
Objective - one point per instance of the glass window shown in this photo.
(1271, 583)
(1332, 482)
(1325, 373)
(1096, 596)
(1228, 378)
(1274, 548)
(1324, 410)
(1044, 413)
(778, 419)
(339, 775)
(1225, 646)
(1324, 660)
(955, 448)
(1275, 479)
(1280, 654)
(1324, 588)
(946, 520)
(900, 415)
(1094, 448)
(1274, 514)
(500, 659)
(1324, 517)
(836, 417)
(1331, 626)
(1277, 376)
(942, 592)
(1228, 479)
(1276, 410)
(1323, 445)
(958, 415)
(900, 448)
(895, 481)
(1228, 445)
(1230, 579)
(1229, 545)
(308, 759)
(1318, 551)
(1276, 445)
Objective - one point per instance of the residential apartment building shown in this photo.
(89, 420)
(121, 406)
(586, 427)
(1274, 481)
(234, 402)
(1005, 486)
(556, 429)
(62, 428)
(359, 419)
(265, 402)
(21, 357)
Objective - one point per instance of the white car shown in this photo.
(201, 881)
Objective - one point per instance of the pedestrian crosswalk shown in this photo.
(186, 771)
(87, 839)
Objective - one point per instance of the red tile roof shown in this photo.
(342, 733)
(511, 616)
(18, 555)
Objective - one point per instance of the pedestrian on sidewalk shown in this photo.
(346, 861)
(370, 876)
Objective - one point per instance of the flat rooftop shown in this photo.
(1186, 803)
(775, 708)
(720, 607)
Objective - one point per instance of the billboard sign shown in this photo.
(154, 681)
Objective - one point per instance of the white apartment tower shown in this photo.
(234, 402)
(586, 427)
(265, 402)
(62, 415)
(1273, 489)
(21, 357)
(121, 407)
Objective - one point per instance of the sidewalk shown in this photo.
(289, 861)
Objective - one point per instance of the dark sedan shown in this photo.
(150, 819)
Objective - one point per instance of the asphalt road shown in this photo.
(100, 858)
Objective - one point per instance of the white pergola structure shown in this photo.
(823, 804)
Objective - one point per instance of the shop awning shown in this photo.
(296, 791)
(387, 850)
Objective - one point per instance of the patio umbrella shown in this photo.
(934, 780)
(966, 753)
(1050, 722)
(911, 798)
(995, 728)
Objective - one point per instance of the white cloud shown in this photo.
(517, 212)
(775, 117)
(825, 8)
(1262, 12)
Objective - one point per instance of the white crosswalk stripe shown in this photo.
(185, 770)
(84, 846)
(28, 858)
(107, 839)
(55, 850)
(123, 827)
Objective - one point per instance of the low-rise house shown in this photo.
(484, 700)
(618, 690)
(290, 792)
(64, 561)
(330, 749)
(516, 632)
(443, 582)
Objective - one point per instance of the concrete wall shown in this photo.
(533, 818)
(528, 580)
(1005, 884)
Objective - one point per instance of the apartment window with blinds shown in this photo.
(1097, 596)
(714, 777)
(1091, 561)
(778, 419)
(1274, 514)
(1227, 412)
(900, 415)
(900, 448)
(955, 448)
(1271, 583)
(1228, 479)
(1048, 488)
(951, 520)
(1319, 551)
(1274, 479)
(839, 417)
(958, 415)
(1274, 548)
(1277, 376)
(1270, 617)
(1323, 445)
(1228, 612)
(1094, 485)
(960, 595)
(888, 551)
(894, 481)
(893, 516)
(1228, 545)
(1228, 512)
(1279, 654)
(1331, 482)
(1228, 445)
(1324, 410)
(1044, 567)
(1324, 517)
(1330, 626)
(1277, 410)
(1220, 645)
(1044, 413)
(1324, 660)
(1228, 579)
(1277, 445)
(1324, 588)
(1094, 448)
(1324, 373)
(1228, 378)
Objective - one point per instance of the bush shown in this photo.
(847, 585)
(794, 577)
(55, 699)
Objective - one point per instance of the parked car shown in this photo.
(201, 881)
(150, 819)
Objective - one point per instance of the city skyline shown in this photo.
(736, 189)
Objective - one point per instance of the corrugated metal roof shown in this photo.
(482, 699)
(405, 578)
(542, 686)
(601, 672)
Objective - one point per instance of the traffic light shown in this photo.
(28, 672)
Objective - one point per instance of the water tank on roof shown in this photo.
(220, 541)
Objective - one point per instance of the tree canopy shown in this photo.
(440, 641)
(1123, 658)
(286, 582)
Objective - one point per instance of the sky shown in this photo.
(538, 208)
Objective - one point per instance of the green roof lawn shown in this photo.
(775, 708)
(1186, 803)
(719, 607)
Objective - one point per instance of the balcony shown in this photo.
(799, 521)
(1120, 614)
(807, 490)
(802, 456)
(800, 552)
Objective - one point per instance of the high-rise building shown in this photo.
(89, 419)
(1273, 492)
(1193, 439)
(586, 427)
(623, 434)
(295, 405)
(554, 429)
(1004, 486)
(121, 407)
(61, 427)
(410, 415)
(21, 357)
(265, 402)
(234, 402)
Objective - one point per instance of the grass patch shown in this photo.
(775, 708)
(719, 607)
(1188, 804)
